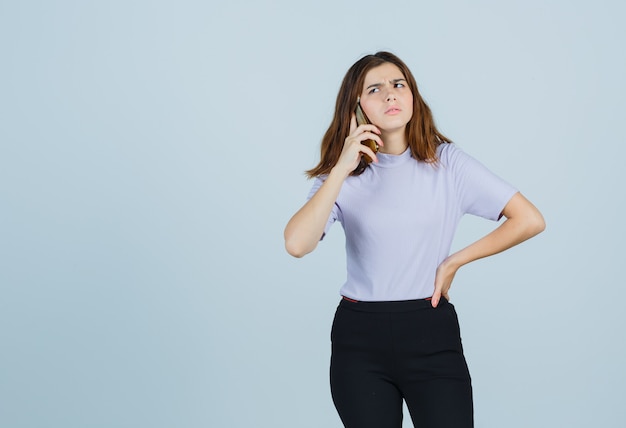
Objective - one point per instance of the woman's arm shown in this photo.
(523, 221)
(304, 230)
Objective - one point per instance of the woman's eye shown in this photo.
(399, 85)
(373, 90)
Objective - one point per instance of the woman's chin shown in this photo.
(389, 130)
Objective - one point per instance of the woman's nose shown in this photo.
(390, 96)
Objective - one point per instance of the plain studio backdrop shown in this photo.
(153, 151)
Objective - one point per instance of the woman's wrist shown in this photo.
(453, 261)
(339, 172)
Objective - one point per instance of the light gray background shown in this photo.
(152, 152)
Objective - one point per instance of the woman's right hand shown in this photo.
(353, 149)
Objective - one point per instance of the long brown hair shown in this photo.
(421, 133)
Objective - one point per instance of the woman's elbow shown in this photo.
(296, 248)
(536, 223)
(529, 217)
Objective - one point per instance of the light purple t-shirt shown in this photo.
(400, 217)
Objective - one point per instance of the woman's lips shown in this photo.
(392, 110)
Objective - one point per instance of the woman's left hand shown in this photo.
(443, 280)
(523, 221)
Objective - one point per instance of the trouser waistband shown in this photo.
(389, 306)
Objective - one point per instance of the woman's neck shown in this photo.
(395, 142)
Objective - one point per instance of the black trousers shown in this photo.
(386, 352)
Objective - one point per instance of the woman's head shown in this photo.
(354, 82)
(421, 133)
(387, 101)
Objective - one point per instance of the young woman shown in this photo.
(395, 336)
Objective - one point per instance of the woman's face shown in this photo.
(386, 98)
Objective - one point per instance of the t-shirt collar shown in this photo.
(386, 160)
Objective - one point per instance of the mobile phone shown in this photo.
(361, 119)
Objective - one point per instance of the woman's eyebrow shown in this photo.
(393, 81)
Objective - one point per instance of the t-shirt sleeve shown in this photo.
(479, 191)
(334, 213)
